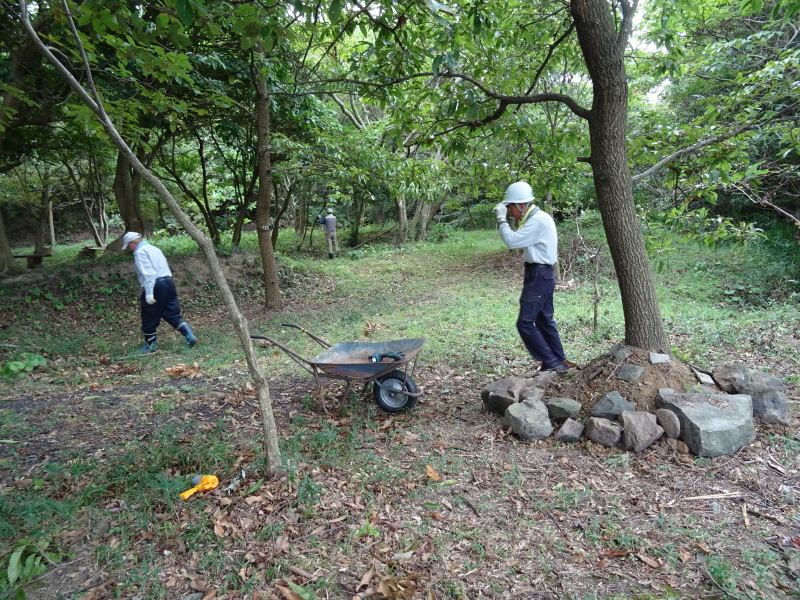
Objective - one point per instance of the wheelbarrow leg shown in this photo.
(333, 403)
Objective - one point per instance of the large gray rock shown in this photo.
(532, 394)
(603, 431)
(712, 424)
(657, 358)
(702, 377)
(732, 377)
(768, 380)
(563, 408)
(640, 430)
(769, 405)
(611, 406)
(544, 378)
(498, 395)
(621, 353)
(529, 420)
(664, 393)
(630, 372)
(571, 431)
(670, 422)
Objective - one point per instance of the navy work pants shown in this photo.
(535, 323)
(166, 306)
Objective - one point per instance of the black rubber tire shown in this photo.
(395, 401)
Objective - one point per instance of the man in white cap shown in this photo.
(159, 300)
(537, 235)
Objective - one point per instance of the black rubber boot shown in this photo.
(191, 338)
(149, 343)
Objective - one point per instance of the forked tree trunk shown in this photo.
(603, 53)
(127, 186)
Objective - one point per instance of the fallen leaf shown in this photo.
(199, 585)
(431, 472)
(650, 562)
(366, 578)
(617, 553)
(182, 370)
(288, 594)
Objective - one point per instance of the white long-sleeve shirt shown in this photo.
(150, 264)
(537, 236)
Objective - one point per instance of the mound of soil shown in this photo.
(599, 377)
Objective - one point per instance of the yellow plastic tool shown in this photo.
(207, 482)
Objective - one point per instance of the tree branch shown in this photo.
(353, 117)
(710, 141)
(626, 27)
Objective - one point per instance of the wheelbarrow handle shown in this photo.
(321, 341)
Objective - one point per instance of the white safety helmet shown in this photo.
(330, 211)
(518, 193)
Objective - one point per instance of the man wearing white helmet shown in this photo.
(159, 300)
(537, 235)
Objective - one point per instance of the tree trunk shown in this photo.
(87, 204)
(51, 228)
(281, 210)
(402, 219)
(608, 121)
(358, 209)
(300, 218)
(272, 292)
(8, 263)
(412, 226)
(426, 216)
(127, 186)
(44, 219)
(99, 201)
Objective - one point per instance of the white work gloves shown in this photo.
(501, 210)
(150, 299)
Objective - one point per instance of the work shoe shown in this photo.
(191, 338)
(559, 368)
(149, 348)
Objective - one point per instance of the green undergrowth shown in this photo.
(460, 294)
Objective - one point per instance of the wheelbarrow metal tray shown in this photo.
(351, 359)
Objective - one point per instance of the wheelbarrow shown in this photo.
(385, 364)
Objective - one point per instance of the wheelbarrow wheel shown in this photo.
(391, 397)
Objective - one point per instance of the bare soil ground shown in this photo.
(440, 502)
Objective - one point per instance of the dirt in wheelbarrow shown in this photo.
(439, 502)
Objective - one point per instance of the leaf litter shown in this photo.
(438, 503)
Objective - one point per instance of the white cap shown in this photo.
(330, 211)
(518, 193)
(129, 237)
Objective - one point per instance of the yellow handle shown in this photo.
(207, 482)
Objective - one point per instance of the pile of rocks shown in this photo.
(716, 416)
